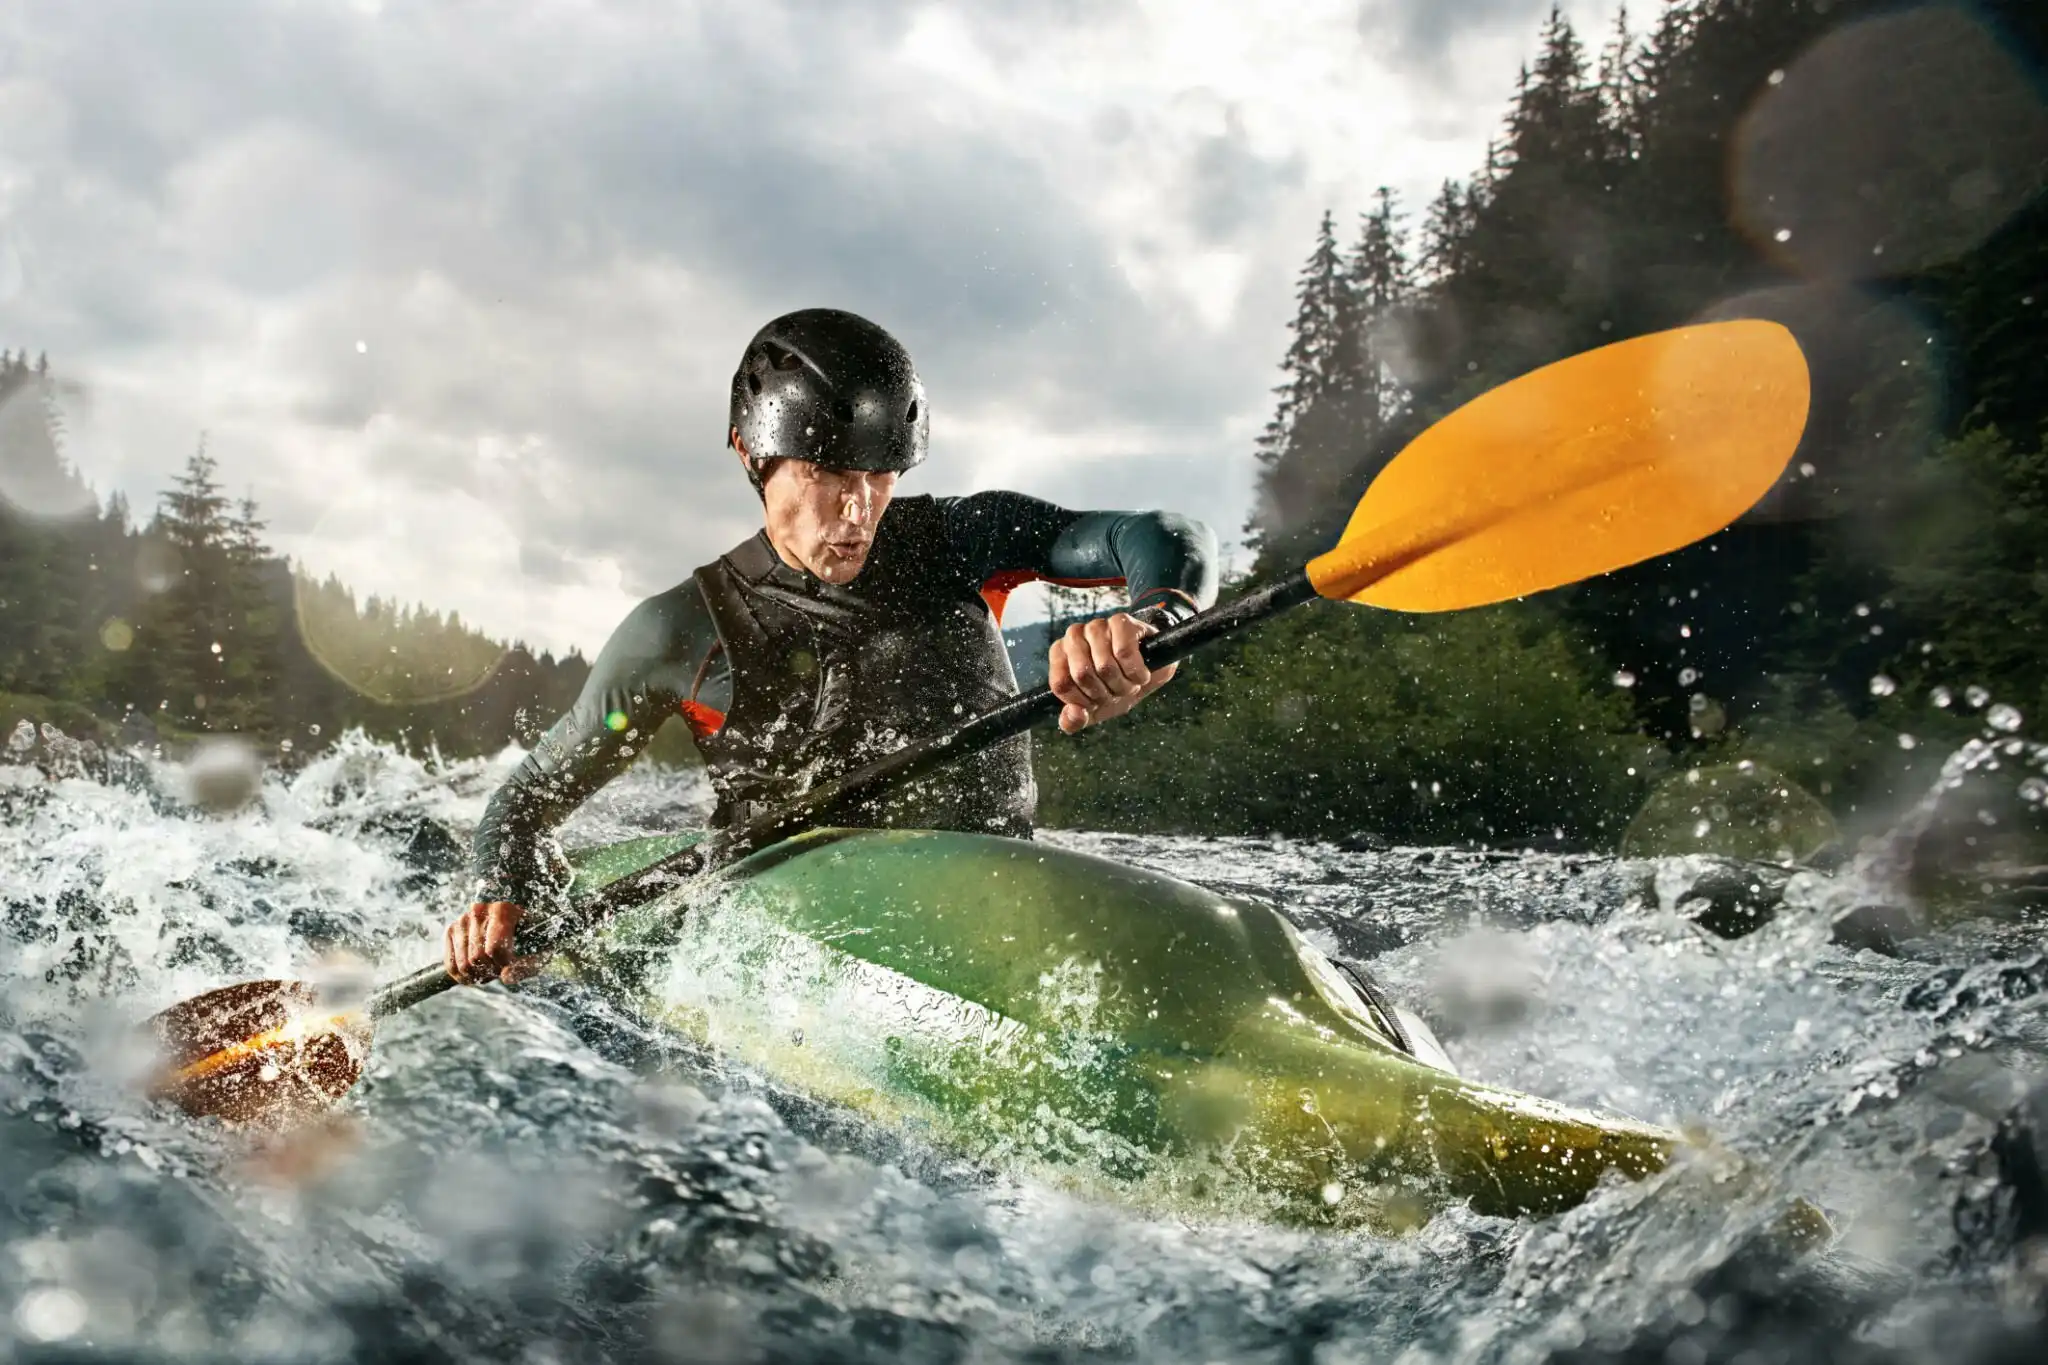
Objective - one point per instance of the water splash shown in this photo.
(536, 1175)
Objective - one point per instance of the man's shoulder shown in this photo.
(662, 623)
(918, 517)
(917, 505)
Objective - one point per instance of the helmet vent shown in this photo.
(754, 383)
(843, 410)
(911, 416)
(782, 358)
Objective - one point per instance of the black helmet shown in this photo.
(832, 388)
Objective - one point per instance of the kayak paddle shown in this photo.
(1582, 467)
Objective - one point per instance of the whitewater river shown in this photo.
(526, 1176)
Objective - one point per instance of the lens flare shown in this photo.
(1737, 810)
(1888, 147)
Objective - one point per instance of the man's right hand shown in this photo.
(478, 946)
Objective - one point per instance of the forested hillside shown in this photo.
(1869, 175)
(187, 623)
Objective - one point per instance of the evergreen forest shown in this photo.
(1868, 174)
(188, 624)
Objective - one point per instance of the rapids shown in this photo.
(527, 1176)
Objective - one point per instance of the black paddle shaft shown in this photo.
(913, 760)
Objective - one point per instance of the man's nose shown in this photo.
(857, 503)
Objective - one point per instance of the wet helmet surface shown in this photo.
(829, 387)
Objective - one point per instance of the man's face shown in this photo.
(823, 520)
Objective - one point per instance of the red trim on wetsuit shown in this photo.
(1188, 598)
(704, 721)
(997, 589)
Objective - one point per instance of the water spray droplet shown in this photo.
(2003, 717)
(1976, 696)
(1882, 686)
(1941, 696)
(50, 1313)
(222, 774)
(1624, 678)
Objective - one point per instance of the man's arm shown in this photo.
(640, 677)
(1162, 559)
(1167, 563)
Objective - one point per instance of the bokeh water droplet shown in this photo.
(1882, 686)
(50, 1313)
(222, 774)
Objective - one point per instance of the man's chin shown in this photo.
(835, 567)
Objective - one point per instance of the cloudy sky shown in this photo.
(455, 288)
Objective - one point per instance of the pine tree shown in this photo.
(186, 626)
(1622, 91)
(1382, 281)
(42, 559)
(252, 643)
(1288, 449)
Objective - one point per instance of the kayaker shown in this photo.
(851, 623)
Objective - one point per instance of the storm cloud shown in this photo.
(454, 290)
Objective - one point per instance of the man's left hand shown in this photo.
(1096, 669)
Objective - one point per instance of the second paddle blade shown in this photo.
(1585, 466)
(261, 1052)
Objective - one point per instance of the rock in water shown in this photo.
(1727, 897)
(2001, 1216)
(1880, 928)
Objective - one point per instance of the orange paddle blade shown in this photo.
(1585, 466)
(260, 1053)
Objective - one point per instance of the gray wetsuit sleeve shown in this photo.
(641, 676)
(1164, 560)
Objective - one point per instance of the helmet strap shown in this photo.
(756, 469)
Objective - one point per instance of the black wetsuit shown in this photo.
(786, 680)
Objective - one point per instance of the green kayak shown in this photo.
(1088, 1023)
